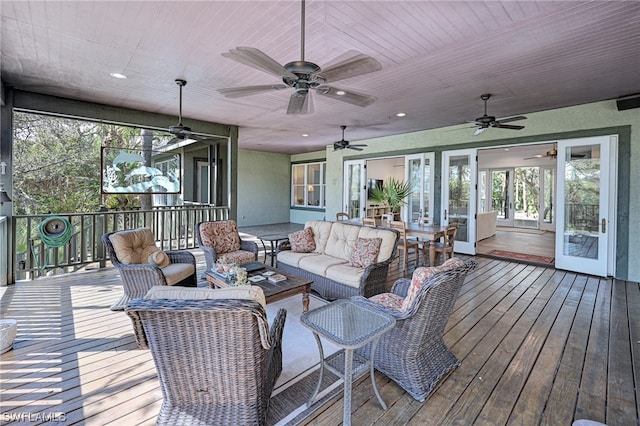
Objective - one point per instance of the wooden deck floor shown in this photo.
(537, 345)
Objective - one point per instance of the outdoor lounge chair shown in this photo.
(129, 251)
(217, 359)
(221, 240)
(413, 353)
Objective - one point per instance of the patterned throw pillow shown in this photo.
(222, 236)
(302, 241)
(420, 275)
(388, 300)
(365, 252)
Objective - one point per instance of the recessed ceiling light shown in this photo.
(304, 135)
(117, 75)
(341, 93)
(401, 114)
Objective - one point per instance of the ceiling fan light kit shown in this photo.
(303, 76)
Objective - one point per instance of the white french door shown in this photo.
(459, 178)
(583, 225)
(418, 170)
(355, 195)
(546, 213)
(501, 188)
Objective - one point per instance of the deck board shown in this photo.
(537, 345)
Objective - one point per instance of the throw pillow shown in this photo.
(365, 252)
(420, 275)
(158, 258)
(302, 241)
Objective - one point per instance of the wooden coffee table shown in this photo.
(272, 291)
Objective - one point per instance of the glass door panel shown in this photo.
(354, 193)
(526, 197)
(420, 202)
(583, 222)
(501, 196)
(459, 196)
(547, 198)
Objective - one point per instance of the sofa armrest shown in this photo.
(378, 307)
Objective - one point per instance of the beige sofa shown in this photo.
(486, 225)
(329, 264)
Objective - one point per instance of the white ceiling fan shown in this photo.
(303, 76)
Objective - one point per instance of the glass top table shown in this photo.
(348, 325)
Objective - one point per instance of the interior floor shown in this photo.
(533, 242)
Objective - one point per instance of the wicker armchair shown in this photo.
(217, 359)
(221, 240)
(138, 275)
(413, 353)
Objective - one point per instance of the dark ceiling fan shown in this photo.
(180, 131)
(553, 154)
(486, 121)
(342, 144)
(304, 77)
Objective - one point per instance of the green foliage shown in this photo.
(393, 193)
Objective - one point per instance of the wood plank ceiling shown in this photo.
(437, 59)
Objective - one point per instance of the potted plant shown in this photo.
(392, 194)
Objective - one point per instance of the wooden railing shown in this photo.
(173, 227)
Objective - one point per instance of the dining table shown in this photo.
(430, 234)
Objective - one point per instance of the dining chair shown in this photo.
(369, 221)
(342, 216)
(405, 245)
(446, 246)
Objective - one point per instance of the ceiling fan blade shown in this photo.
(354, 147)
(510, 119)
(238, 92)
(351, 67)
(479, 130)
(349, 96)
(300, 103)
(257, 59)
(507, 126)
(535, 157)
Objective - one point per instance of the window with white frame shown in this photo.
(308, 184)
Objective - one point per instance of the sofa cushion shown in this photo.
(342, 240)
(365, 252)
(388, 240)
(319, 264)
(420, 275)
(345, 274)
(291, 258)
(321, 230)
(388, 300)
(158, 258)
(302, 241)
(222, 236)
(133, 246)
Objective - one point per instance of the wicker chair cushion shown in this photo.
(238, 256)
(389, 300)
(302, 241)
(420, 275)
(222, 236)
(245, 292)
(345, 274)
(251, 293)
(159, 258)
(176, 272)
(133, 246)
(365, 252)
